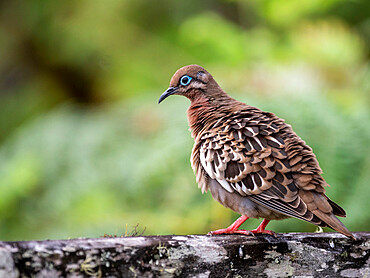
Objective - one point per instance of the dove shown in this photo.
(251, 160)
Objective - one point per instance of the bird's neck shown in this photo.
(204, 111)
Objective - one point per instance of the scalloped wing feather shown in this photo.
(257, 155)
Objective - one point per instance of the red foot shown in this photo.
(261, 229)
(226, 231)
(233, 228)
(256, 231)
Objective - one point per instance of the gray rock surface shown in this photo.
(287, 255)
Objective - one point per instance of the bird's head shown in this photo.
(191, 81)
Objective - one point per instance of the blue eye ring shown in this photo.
(185, 80)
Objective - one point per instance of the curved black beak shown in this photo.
(167, 93)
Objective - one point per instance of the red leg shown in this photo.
(233, 228)
(261, 228)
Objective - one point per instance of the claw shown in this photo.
(245, 232)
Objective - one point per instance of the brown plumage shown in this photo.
(251, 160)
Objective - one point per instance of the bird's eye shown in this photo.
(185, 80)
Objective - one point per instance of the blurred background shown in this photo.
(84, 148)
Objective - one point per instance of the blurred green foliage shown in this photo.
(84, 148)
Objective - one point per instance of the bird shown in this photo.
(251, 160)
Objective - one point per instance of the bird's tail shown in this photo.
(333, 222)
(337, 210)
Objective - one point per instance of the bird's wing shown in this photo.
(257, 155)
